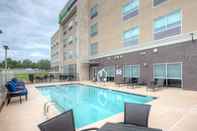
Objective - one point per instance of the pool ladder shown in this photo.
(46, 107)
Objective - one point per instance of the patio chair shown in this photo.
(136, 114)
(15, 90)
(62, 122)
(156, 84)
(17, 82)
(133, 82)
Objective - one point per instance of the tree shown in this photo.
(44, 64)
(27, 63)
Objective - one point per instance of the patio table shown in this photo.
(125, 127)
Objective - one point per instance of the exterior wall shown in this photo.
(110, 31)
(111, 25)
(55, 52)
(66, 33)
(83, 35)
(184, 53)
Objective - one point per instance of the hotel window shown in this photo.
(70, 40)
(93, 12)
(93, 49)
(110, 72)
(93, 30)
(158, 2)
(70, 69)
(170, 72)
(131, 37)
(69, 55)
(70, 25)
(131, 71)
(168, 25)
(130, 9)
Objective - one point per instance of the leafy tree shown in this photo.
(44, 64)
(27, 63)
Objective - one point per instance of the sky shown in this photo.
(28, 26)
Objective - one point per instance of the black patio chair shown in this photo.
(156, 84)
(136, 114)
(62, 122)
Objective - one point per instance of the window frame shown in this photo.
(181, 25)
(122, 8)
(130, 68)
(91, 53)
(166, 66)
(92, 34)
(130, 39)
(164, 2)
(93, 15)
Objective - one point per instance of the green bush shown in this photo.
(25, 76)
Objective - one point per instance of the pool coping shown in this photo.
(154, 97)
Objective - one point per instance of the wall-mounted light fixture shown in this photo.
(155, 50)
(145, 64)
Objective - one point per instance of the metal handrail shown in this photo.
(47, 107)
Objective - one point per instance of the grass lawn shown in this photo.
(25, 76)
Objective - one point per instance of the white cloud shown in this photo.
(28, 26)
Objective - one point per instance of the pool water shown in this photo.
(90, 104)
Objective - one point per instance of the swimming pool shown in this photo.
(90, 104)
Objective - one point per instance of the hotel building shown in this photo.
(142, 40)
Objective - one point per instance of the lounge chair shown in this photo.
(62, 122)
(136, 114)
(159, 84)
(15, 90)
(122, 82)
(133, 82)
(17, 82)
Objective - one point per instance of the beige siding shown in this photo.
(111, 26)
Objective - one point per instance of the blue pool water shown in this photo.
(90, 104)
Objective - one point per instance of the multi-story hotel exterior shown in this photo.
(142, 40)
(55, 52)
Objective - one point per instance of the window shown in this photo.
(65, 32)
(70, 69)
(174, 71)
(159, 71)
(171, 72)
(130, 9)
(65, 42)
(158, 2)
(168, 25)
(70, 40)
(93, 12)
(93, 49)
(70, 25)
(131, 37)
(69, 55)
(131, 71)
(93, 30)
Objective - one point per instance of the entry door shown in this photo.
(93, 73)
(170, 72)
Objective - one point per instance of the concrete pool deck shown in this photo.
(173, 110)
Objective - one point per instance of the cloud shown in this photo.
(28, 26)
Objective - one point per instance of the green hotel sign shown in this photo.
(66, 9)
